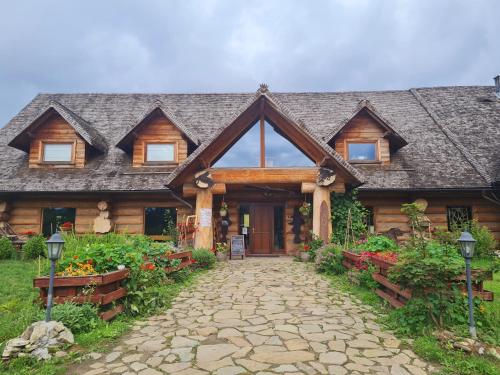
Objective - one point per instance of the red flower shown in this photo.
(75, 256)
(307, 248)
(89, 261)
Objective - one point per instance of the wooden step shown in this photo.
(394, 287)
(392, 300)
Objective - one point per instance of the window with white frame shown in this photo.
(160, 152)
(58, 152)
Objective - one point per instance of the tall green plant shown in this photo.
(341, 205)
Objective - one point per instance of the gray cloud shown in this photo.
(228, 45)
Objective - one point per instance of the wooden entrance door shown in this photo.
(262, 229)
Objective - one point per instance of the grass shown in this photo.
(17, 294)
(17, 311)
(450, 362)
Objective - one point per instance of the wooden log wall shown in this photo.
(387, 211)
(127, 213)
(56, 130)
(159, 130)
(363, 128)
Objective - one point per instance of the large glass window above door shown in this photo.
(263, 147)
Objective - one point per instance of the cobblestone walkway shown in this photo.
(264, 316)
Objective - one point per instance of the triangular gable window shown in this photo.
(278, 151)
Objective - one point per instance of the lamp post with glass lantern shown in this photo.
(467, 243)
(54, 248)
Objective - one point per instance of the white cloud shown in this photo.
(230, 45)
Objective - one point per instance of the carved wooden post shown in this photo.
(4, 213)
(102, 223)
(322, 222)
(204, 213)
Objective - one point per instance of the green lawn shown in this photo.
(17, 311)
(17, 294)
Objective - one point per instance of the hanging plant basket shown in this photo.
(306, 209)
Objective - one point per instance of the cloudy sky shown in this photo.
(232, 45)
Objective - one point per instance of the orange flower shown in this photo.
(75, 256)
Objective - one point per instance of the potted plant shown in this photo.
(66, 226)
(223, 209)
(221, 249)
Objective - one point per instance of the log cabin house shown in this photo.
(137, 163)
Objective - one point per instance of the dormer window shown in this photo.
(362, 152)
(58, 153)
(160, 153)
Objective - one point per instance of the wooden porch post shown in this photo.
(204, 213)
(322, 218)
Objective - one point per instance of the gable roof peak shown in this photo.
(397, 141)
(81, 127)
(156, 105)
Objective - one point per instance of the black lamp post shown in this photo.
(54, 248)
(467, 243)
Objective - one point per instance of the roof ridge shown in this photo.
(452, 137)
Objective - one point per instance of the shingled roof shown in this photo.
(453, 136)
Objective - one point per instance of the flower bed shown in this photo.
(350, 259)
(101, 290)
(395, 294)
(186, 259)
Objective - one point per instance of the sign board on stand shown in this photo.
(238, 246)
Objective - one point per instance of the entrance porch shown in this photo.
(263, 206)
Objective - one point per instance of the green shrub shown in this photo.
(485, 240)
(78, 318)
(486, 243)
(366, 279)
(329, 259)
(181, 275)
(378, 243)
(204, 258)
(314, 245)
(7, 250)
(35, 247)
(145, 291)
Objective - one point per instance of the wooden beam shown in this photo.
(262, 141)
(308, 187)
(263, 175)
(190, 190)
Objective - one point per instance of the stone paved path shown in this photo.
(264, 316)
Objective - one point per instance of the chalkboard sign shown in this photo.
(238, 246)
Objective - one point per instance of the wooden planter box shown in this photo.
(101, 290)
(382, 264)
(186, 258)
(397, 296)
(350, 259)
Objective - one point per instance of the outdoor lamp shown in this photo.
(54, 246)
(54, 249)
(467, 243)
